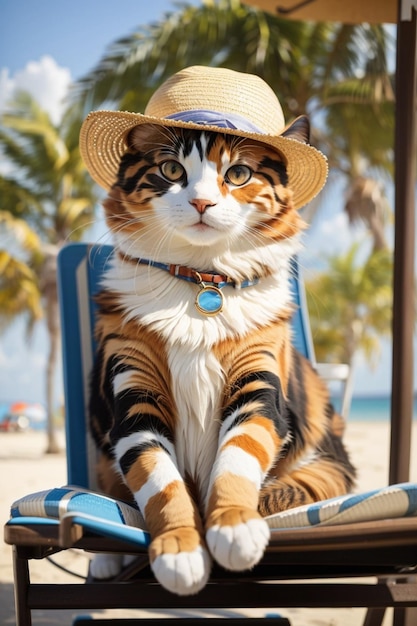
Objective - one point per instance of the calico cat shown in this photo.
(203, 411)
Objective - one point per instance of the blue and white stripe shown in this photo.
(388, 502)
(394, 501)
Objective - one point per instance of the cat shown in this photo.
(203, 411)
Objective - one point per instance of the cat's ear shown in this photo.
(140, 135)
(299, 130)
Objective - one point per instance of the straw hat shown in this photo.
(215, 99)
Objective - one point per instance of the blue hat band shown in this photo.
(214, 118)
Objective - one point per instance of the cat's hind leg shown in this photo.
(319, 480)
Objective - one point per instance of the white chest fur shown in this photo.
(166, 304)
(197, 387)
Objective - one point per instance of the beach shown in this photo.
(24, 468)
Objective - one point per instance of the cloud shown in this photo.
(45, 80)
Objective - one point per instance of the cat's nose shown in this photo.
(201, 205)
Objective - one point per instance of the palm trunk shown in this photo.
(348, 391)
(52, 442)
(52, 320)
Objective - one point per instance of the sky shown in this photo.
(44, 45)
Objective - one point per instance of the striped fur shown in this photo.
(211, 423)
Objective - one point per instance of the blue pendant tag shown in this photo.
(209, 300)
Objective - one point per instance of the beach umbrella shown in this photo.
(403, 13)
(18, 407)
(35, 412)
(351, 12)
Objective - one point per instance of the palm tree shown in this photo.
(19, 289)
(336, 73)
(350, 305)
(310, 65)
(352, 125)
(46, 200)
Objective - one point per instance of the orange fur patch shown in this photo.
(174, 542)
(230, 490)
(171, 509)
(141, 470)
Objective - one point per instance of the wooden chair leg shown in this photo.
(402, 616)
(22, 581)
(405, 616)
(374, 617)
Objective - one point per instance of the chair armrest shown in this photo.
(340, 372)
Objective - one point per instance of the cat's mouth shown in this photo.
(201, 233)
(202, 227)
(203, 224)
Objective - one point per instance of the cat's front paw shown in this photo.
(106, 565)
(180, 562)
(237, 538)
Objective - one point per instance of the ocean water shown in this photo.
(372, 408)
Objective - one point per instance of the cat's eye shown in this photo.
(238, 175)
(172, 170)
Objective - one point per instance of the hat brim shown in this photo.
(103, 143)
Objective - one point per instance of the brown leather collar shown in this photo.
(192, 275)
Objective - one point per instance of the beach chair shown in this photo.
(369, 539)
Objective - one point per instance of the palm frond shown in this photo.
(358, 312)
(20, 232)
(19, 292)
(18, 200)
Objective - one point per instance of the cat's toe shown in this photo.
(184, 573)
(240, 546)
(106, 565)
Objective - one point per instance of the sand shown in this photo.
(24, 468)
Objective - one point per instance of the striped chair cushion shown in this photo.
(56, 503)
(388, 502)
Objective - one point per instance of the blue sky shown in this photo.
(74, 33)
(45, 44)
